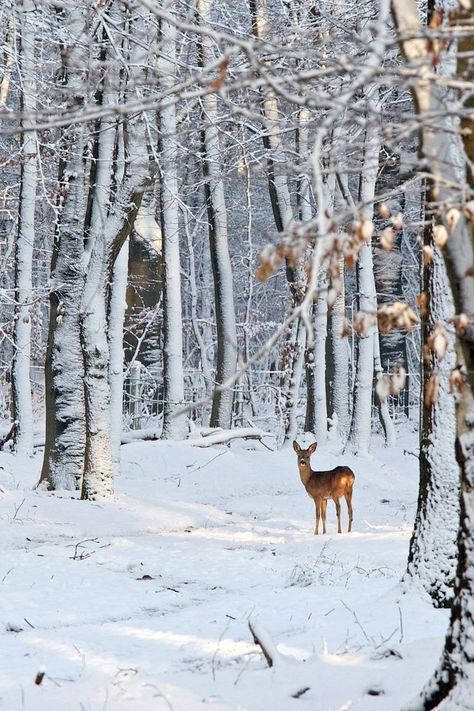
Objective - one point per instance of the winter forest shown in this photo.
(237, 310)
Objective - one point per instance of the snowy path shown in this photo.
(150, 611)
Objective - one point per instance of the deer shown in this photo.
(324, 485)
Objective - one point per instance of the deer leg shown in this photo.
(338, 512)
(318, 515)
(324, 505)
(348, 498)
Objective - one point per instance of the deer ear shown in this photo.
(312, 447)
(296, 447)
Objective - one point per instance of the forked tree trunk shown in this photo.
(21, 385)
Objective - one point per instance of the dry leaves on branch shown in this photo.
(461, 322)
(440, 235)
(396, 315)
(387, 238)
(390, 384)
(422, 303)
(272, 256)
(362, 323)
(456, 380)
(427, 254)
(437, 341)
(468, 210)
(431, 391)
(452, 219)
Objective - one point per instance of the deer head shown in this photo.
(304, 455)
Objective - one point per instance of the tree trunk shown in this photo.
(316, 406)
(437, 517)
(340, 358)
(221, 415)
(63, 461)
(21, 385)
(360, 434)
(116, 317)
(453, 682)
(174, 424)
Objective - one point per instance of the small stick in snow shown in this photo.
(300, 692)
(265, 642)
(40, 676)
(401, 623)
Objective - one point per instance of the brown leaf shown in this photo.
(218, 82)
(431, 391)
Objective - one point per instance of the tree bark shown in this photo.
(174, 424)
(21, 385)
(222, 402)
(452, 684)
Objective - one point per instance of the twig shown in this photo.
(265, 642)
(17, 508)
(356, 620)
(401, 623)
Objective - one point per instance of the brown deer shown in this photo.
(322, 486)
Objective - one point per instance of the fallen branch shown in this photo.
(210, 438)
(10, 434)
(225, 436)
(265, 642)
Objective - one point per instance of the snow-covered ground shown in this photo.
(143, 603)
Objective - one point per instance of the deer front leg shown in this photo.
(338, 513)
(318, 514)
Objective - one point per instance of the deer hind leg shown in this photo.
(338, 513)
(348, 498)
(324, 505)
(318, 515)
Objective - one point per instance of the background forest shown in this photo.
(232, 225)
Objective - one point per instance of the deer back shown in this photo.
(330, 484)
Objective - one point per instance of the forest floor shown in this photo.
(142, 603)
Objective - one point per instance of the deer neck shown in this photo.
(305, 475)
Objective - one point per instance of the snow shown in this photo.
(143, 602)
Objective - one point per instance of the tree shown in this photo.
(452, 684)
(21, 386)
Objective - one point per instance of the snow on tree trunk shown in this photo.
(63, 460)
(280, 200)
(174, 424)
(340, 357)
(21, 385)
(451, 686)
(433, 546)
(316, 406)
(116, 317)
(291, 423)
(221, 415)
(367, 350)
(386, 420)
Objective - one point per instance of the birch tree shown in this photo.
(174, 424)
(21, 386)
(221, 415)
